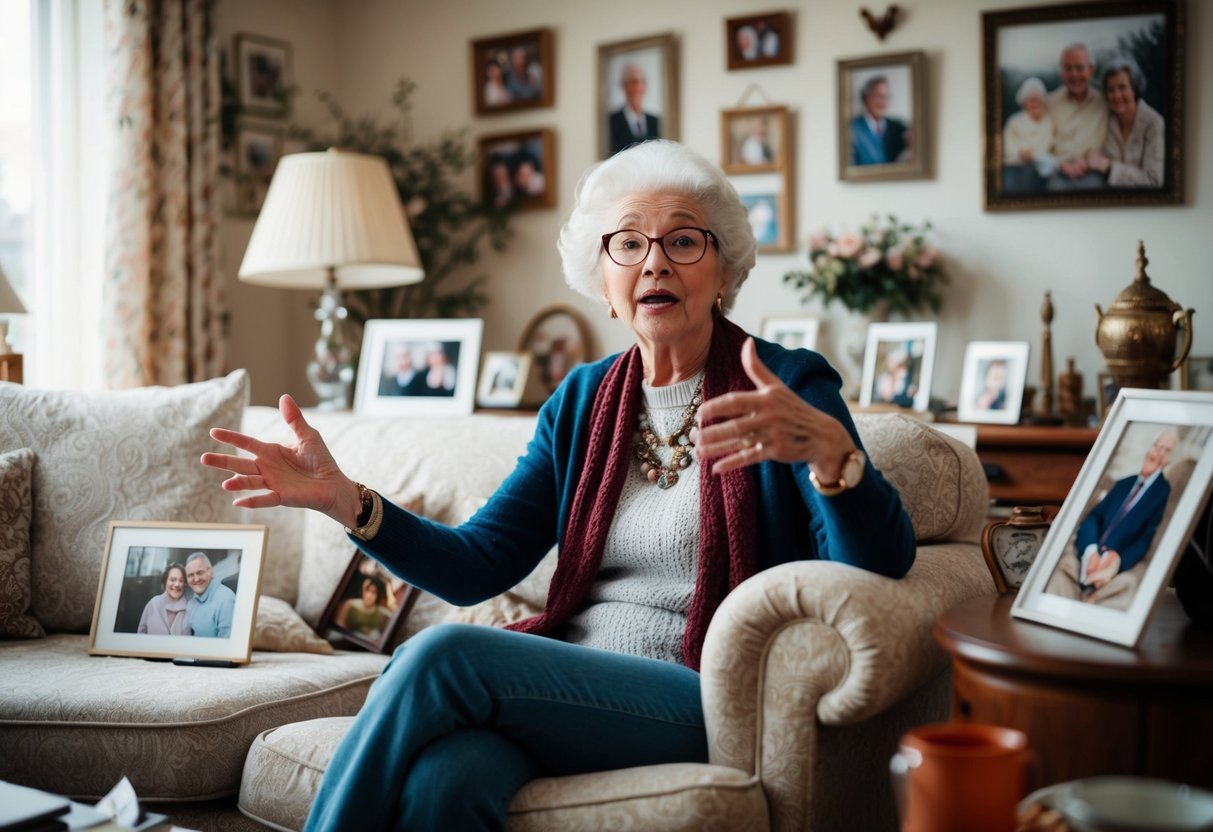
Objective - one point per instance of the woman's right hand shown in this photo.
(302, 475)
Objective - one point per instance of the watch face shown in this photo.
(1015, 549)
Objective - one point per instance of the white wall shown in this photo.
(1000, 263)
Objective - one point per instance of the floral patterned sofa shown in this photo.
(810, 671)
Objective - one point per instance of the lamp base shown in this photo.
(10, 367)
(331, 372)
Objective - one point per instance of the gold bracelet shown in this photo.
(371, 527)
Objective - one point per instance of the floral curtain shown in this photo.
(163, 299)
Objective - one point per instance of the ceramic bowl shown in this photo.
(1128, 804)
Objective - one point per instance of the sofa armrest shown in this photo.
(822, 639)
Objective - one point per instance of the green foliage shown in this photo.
(892, 262)
(449, 225)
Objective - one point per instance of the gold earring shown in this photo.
(720, 304)
(613, 313)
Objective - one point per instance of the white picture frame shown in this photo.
(792, 332)
(503, 377)
(139, 558)
(1147, 538)
(992, 382)
(897, 365)
(418, 365)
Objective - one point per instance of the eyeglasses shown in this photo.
(683, 246)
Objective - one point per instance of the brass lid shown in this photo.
(1141, 294)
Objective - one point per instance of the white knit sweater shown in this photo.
(640, 599)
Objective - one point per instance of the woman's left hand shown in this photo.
(771, 422)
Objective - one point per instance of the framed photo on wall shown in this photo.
(418, 366)
(637, 92)
(883, 132)
(897, 365)
(263, 75)
(755, 140)
(519, 169)
(1110, 552)
(992, 382)
(258, 149)
(172, 590)
(513, 72)
(768, 204)
(758, 40)
(368, 605)
(1084, 105)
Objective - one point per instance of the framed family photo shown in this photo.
(1112, 548)
(519, 169)
(503, 378)
(882, 118)
(258, 149)
(263, 75)
(637, 92)
(418, 366)
(171, 590)
(768, 205)
(513, 72)
(1084, 105)
(991, 386)
(793, 333)
(897, 365)
(758, 40)
(368, 605)
(755, 139)
(557, 339)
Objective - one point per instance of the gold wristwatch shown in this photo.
(848, 476)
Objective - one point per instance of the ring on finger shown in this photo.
(747, 440)
(758, 447)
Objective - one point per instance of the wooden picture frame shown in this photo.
(759, 40)
(519, 169)
(258, 149)
(755, 140)
(897, 365)
(413, 365)
(513, 72)
(144, 566)
(558, 338)
(1113, 546)
(1023, 52)
(793, 332)
(503, 378)
(263, 76)
(895, 88)
(992, 382)
(349, 614)
(647, 70)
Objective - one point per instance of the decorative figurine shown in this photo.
(1137, 334)
(1010, 546)
(881, 26)
(1043, 414)
(1069, 394)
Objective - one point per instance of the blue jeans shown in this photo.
(463, 716)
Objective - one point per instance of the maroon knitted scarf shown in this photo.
(727, 547)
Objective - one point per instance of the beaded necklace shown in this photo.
(648, 442)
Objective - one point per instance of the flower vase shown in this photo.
(853, 341)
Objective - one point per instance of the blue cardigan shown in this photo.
(500, 545)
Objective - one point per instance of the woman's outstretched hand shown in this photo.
(302, 475)
(770, 422)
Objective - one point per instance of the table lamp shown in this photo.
(10, 304)
(331, 221)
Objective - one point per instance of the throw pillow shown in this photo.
(16, 509)
(117, 455)
(280, 629)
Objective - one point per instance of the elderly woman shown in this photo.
(164, 614)
(1027, 138)
(1133, 153)
(652, 535)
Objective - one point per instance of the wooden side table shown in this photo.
(1088, 707)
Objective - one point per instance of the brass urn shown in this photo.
(1138, 333)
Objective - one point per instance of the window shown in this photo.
(16, 143)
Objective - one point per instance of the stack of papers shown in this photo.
(24, 809)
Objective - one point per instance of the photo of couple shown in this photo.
(419, 368)
(178, 592)
(1083, 106)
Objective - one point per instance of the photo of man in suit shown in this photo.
(630, 124)
(1118, 531)
(877, 138)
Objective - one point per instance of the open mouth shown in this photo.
(658, 299)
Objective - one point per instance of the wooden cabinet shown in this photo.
(1088, 707)
(1029, 465)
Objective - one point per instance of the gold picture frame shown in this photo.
(899, 146)
(655, 58)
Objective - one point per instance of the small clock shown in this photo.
(1010, 546)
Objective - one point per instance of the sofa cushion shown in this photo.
(280, 629)
(16, 511)
(74, 724)
(121, 455)
(285, 766)
(940, 479)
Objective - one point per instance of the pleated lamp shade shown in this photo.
(10, 304)
(331, 210)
